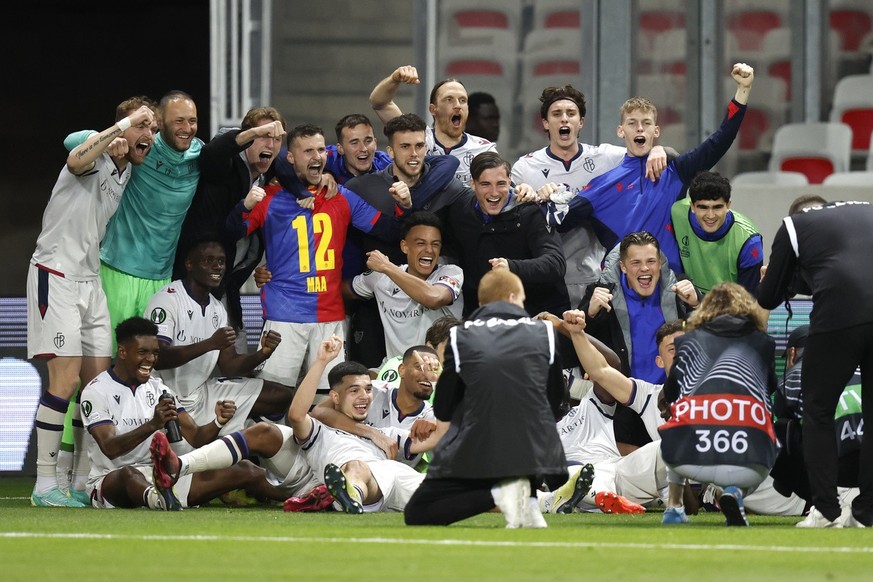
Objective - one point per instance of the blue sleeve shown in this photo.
(369, 220)
(749, 263)
(334, 164)
(708, 153)
(77, 138)
(441, 172)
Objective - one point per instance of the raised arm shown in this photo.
(298, 413)
(430, 295)
(82, 158)
(232, 363)
(382, 97)
(593, 362)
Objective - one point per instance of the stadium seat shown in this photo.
(770, 179)
(853, 105)
(749, 26)
(851, 26)
(850, 179)
(815, 149)
(483, 75)
(557, 14)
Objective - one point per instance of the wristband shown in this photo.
(218, 424)
(123, 124)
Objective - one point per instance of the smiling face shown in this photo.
(416, 379)
(179, 124)
(638, 130)
(206, 265)
(492, 190)
(408, 149)
(136, 358)
(642, 267)
(308, 155)
(353, 396)
(357, 147)
(563, 123)
(422, 249)
(710, 214)
(450, 110)
(263, 151)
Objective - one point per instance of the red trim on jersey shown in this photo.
(52, 271)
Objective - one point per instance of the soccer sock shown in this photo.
(224, 452)
(64, 468)
(49, 429)
(81, 463)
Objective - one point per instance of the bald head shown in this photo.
(501, 285)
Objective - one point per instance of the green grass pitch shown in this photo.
(263, 543)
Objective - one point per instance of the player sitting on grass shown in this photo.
(123, 408)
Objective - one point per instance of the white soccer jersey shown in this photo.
(330, 445)
(465, 151)
(106, 399)
(183, 321)
(581, 247)
(586, 432)
(384, 413)
(75, 219)
(644, 401)
(405, 320)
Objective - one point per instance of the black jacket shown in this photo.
(502, 406)
(518, 234)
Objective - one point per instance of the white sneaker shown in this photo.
(847, 520)
(533, 517)
(511, 497)
(816, 520)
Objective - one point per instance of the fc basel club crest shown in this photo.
(215, 320)
(59, 340)
(468, 157)
(158, 316)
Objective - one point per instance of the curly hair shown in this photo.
(728, 299)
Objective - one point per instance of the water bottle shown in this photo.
(174, 434)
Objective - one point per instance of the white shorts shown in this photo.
(641, 476)
(95, 489)
(288, 469)
(744, 477)
(297, 351)
(200, 404)
(65, 317)
(396, 481)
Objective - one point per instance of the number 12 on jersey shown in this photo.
(324, 255)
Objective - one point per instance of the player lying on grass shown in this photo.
(289, 452)
(123, 408)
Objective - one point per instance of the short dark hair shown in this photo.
(132, 327)
(641, 238)
(477, 99)
(709, 186)
(405, 122)
(350, 121)
(488, 161)
(436, 88)
(806, 201)
(201, 241)
(668, 328)
(170, 96)
(303, 130)
(408, 353)
(343, 369)
(438, 332)
(552, 94)
(420, 218)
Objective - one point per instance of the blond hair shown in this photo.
(728, 299)
(638, 104)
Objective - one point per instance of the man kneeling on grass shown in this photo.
(123, 408)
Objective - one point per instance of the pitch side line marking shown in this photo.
(482, 543)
